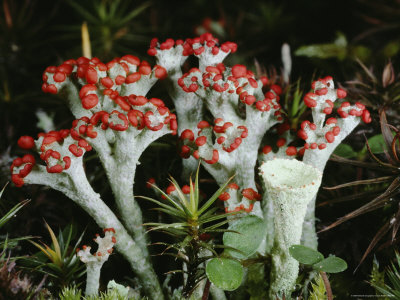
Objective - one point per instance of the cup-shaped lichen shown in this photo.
(290, 185)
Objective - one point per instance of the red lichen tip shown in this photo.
(330, 137)
(267, 149)
(366, 117)
(214, 159)
(186, 189)
(277, 89)
(109, 229)
(170, 189)
(150, 183)
(187, 134)
(309, 101)
(24, 166)
(291, 151)
(233, 186)
(26, 142)
(281, 142)
(239, 71)
(251, 194)
(224, 196)
(341, 93)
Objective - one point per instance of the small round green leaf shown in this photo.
(331, 264)
(248, 235)
(225, 273)
(305, 255)
(344, 150)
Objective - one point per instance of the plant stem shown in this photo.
(327, 285)
(206, 290)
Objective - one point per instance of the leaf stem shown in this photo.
(206, 290)
(327, 285)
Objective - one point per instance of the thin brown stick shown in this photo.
(206, 292)
(327, 285)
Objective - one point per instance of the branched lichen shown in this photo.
(94, 262)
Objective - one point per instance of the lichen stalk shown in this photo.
(94, 262)
(291, 185)
(75, 186)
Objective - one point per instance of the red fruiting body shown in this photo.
(366, 117)
(109, 229)
(185, 152)
(336, 130)
(187, 134)
(321, 92)
(251, 194)
(59, 77)
(196, 154)
(233, 186)
(267, 149)
(28, 161)
(264, 80)
(160, 72)
(277, 89)
(150, 183)
(214, 159)
(119, 80)
(90, 101)
(309, 101)
(91, 76)
(281, 142)
(186, 189)
(341, 93)
(133, 77)
(75, 150)
(302, 134)
(170, 189)
(26, 142)
(203, 124)
(201, 140)
(224, 196)
(330, 137)
(239, 71)
(291, 151)
(221, 139)
(331, 121)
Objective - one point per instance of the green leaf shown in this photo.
(214, 197)
(134, 13)
(344, 150)
(250, 233)
(179, 209)
(83, 12)
(181, 197)
(337, 49)
(57, 252)
(4, 219)
(196, 187)
(377, 144)
(331, 264)
(391, 49)
(2, 190)
(305, 255)
(159, 226)
(225, 273)
(212, 218)
(318, 290)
